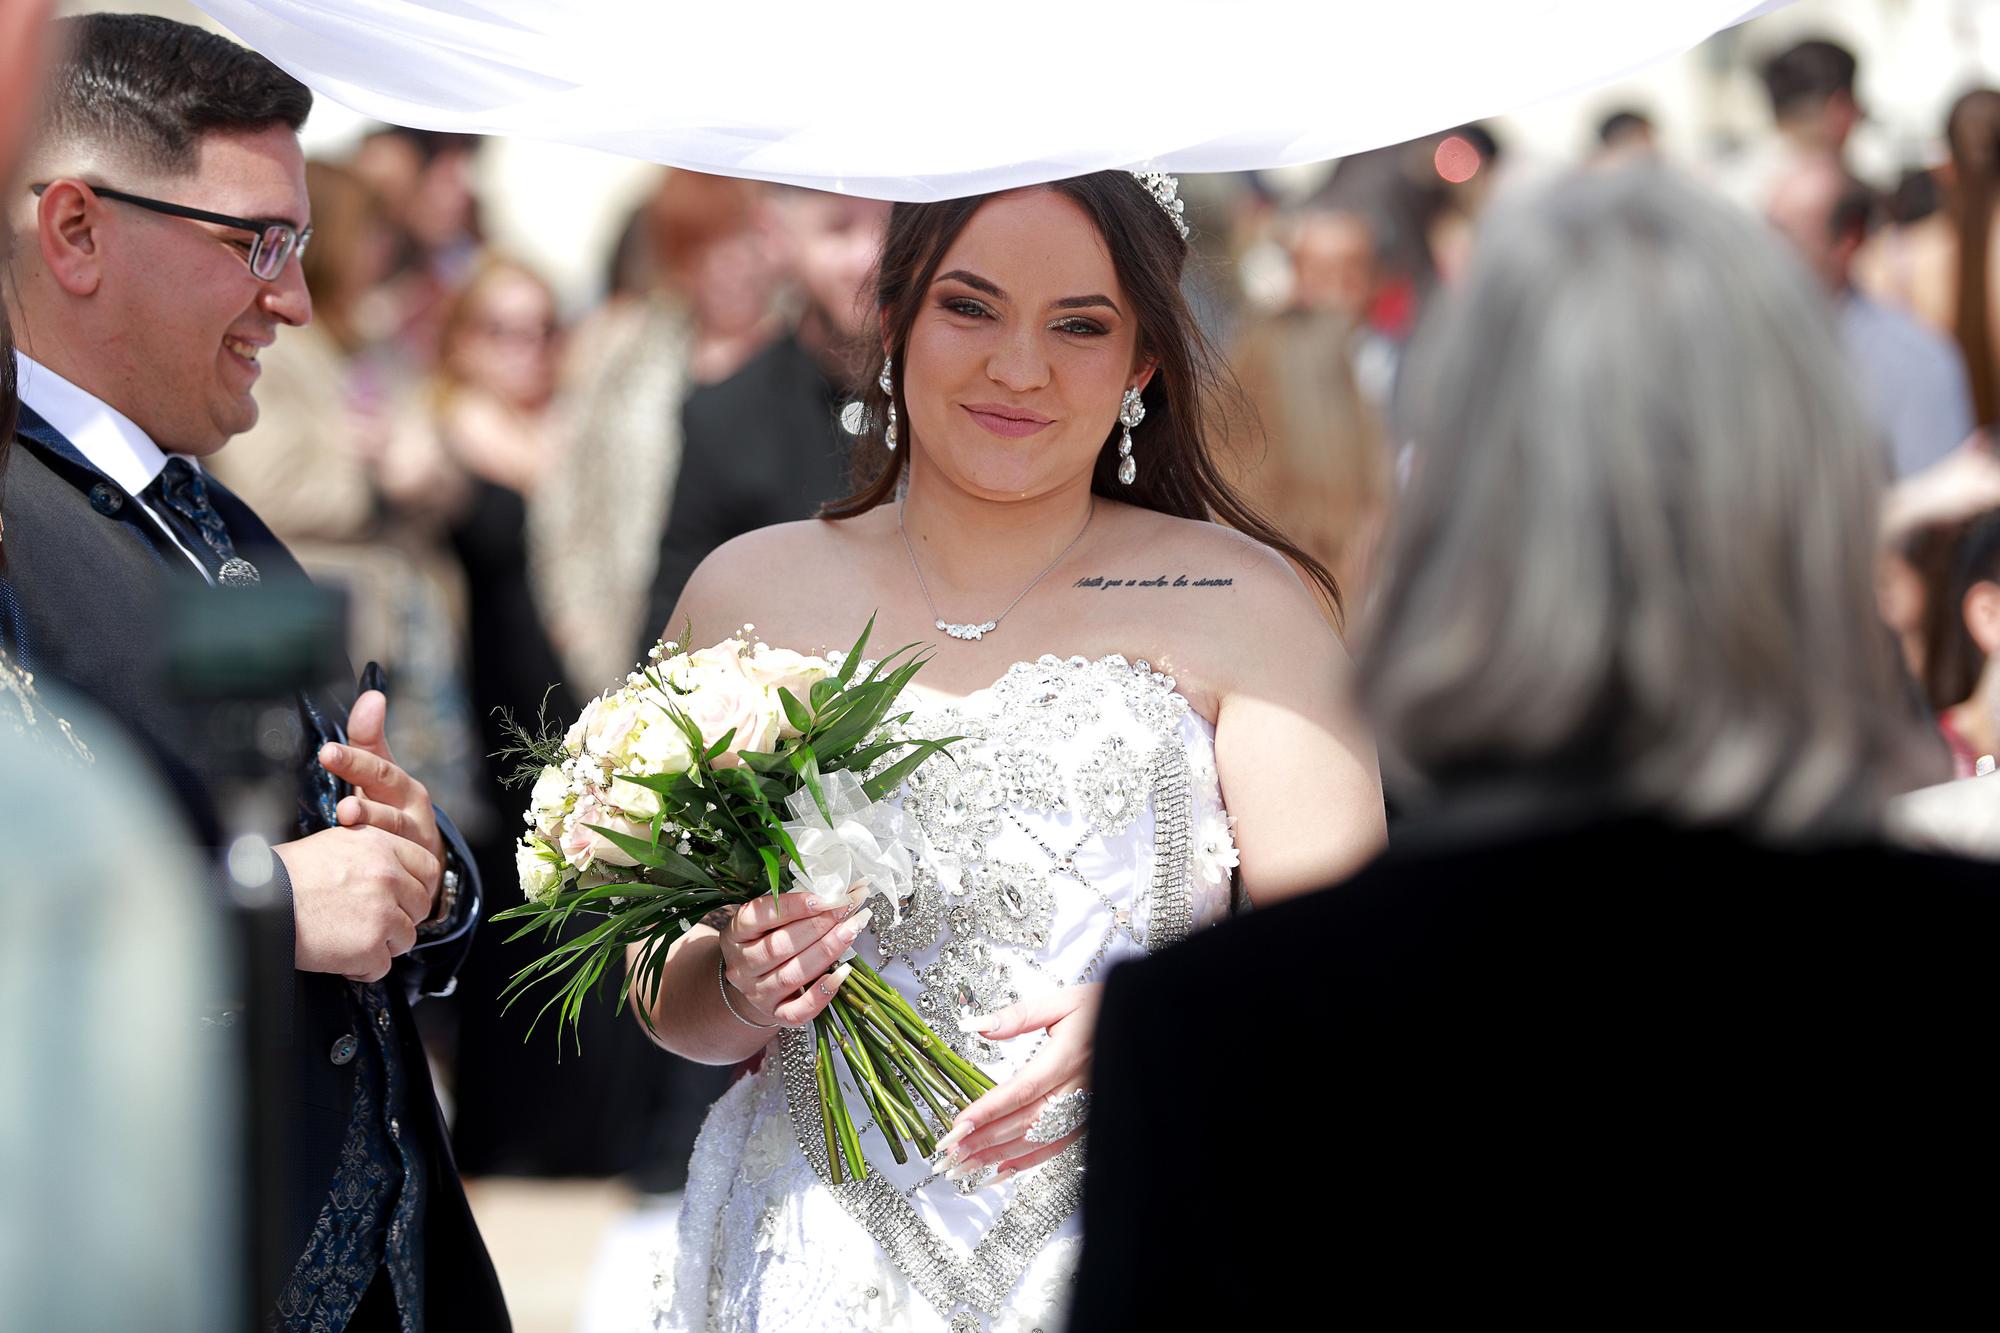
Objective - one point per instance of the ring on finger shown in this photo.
(1061, 1116)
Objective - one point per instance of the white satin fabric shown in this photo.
(1082, 824)
(912, 99)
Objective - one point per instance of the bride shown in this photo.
(1127, 650)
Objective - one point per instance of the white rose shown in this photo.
(781, 668)
(582, 845)
(723, 701)
(573, 738)
(540, 870)
(661, 747)
(616, 718)
(551, 797)
(641, 803)
(688, 668)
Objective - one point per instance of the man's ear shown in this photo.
(67, 218)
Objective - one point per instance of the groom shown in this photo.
(158, 233)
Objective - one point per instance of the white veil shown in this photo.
(917, 99)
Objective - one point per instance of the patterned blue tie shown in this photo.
(184, 491)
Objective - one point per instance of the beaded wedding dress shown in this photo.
(1081, 824)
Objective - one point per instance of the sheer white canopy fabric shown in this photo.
(917, 99)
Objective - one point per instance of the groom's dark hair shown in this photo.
(150, 88)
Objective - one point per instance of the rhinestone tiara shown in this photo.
(1166, 192)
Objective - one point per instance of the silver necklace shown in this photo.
(977, 632)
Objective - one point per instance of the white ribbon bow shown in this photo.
(866, 846)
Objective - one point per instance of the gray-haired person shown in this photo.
(1638, 1015)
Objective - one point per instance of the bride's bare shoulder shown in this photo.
(776, 576)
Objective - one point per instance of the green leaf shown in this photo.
(721, 744)
(853, 658)
(806, 765)
(795, 712)
(773, 873)
(823, 692)
(892, 777)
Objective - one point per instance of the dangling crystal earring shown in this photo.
(889, 388)
(1131, 412)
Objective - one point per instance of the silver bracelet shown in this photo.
(722, 984)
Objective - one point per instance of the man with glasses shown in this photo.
(164, 205)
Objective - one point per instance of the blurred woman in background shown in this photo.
(700, 304)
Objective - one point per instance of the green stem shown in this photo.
(926, 1141)
(898, 1100)
(954, 1066)
(868, 1084)
(929, 1080)
(822, 1074)
(850, 1139)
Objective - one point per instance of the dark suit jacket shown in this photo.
(82, 597)
(763, 446)
(1589, 1073)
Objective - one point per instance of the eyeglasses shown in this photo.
(276, 239)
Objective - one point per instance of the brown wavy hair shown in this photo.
(1973, 131)
(1187, 400)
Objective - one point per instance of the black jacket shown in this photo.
(761, 447)
(83, 596)
(1602, 1072)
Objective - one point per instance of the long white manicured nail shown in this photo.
(859, 921)
(976, 1022)
(960, 1172)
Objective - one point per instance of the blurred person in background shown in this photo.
(766, 445)
(1911, 380)
(469, 454)
(1910, 261)
(1814, 111)
(1811, 87)
(1456, 184)
(702, 304)
(424, 179)
(1315, 461)
(1623, 135)
(1639, 965)
(1964, 670)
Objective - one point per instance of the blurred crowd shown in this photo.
(512, 494)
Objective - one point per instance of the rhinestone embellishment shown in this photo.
(1111, 786)
(972, 632)
(1060, 1116)
(1006, 901)
(1166, 192)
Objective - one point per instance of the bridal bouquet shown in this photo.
(711, 777)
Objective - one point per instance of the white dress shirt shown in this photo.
(106, 437)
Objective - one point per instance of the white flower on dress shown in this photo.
(1214, 847)
(1201, 772)
(770, 1149)
(1041, 1303)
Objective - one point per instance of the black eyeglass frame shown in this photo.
(290, 239)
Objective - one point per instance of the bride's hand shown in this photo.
(992, 1132)
(773, 947)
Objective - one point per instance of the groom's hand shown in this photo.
(384, 797)
(357, 897)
